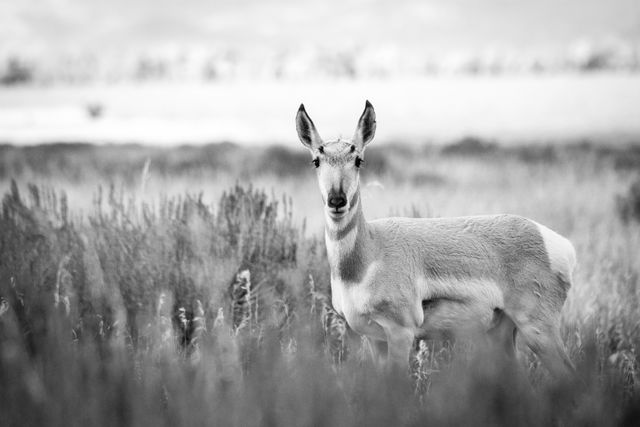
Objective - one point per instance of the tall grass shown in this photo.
(173, 310)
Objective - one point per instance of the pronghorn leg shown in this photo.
(399, 342)
(380, 350)
(561, 360)
(543, 338)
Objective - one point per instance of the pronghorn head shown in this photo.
(337, 162)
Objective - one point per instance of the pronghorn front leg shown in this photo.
(399, 342)
(378, 351)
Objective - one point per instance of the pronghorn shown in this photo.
(397, 279)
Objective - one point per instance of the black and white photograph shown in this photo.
(319, 213)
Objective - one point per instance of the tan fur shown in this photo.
(397, 279)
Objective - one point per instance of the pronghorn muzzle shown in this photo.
(337, 201)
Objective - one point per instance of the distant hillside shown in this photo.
(80, 162)
(384, 62)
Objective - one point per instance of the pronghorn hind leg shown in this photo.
(560, 353)
(543, 338)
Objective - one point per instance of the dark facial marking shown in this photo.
(316, 162)
(321, 149)
(342, 233)
(359, 162)
(354, 199)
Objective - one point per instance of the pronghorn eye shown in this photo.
(353, 148)
(316, 162)
(359, 162)
(321, 149)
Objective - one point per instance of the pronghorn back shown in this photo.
(496, 247)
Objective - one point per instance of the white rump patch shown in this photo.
(561, 253)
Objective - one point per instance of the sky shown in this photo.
(53, 27)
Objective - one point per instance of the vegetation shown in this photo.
(223, 64)
(175, 297)
(629, 204)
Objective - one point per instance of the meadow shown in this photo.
(190, 286)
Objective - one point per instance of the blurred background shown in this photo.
(165, 72)
(162, 257)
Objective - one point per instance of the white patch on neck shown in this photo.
(337, 249)
(350, 299)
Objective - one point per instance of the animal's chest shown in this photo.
(354, 302)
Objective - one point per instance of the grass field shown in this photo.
(189, 286)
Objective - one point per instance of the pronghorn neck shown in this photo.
(345, 240)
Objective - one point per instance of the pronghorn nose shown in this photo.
(338, 201)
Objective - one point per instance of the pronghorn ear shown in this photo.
(366, 127)
(306, 129)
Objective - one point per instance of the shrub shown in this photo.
(469, 146)
(283, 161)
(628, 205)
(16, 72)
